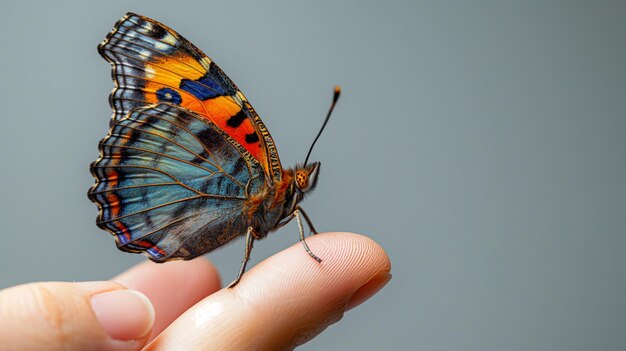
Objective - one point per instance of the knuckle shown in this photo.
(47, 311)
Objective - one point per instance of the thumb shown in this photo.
(74, 316)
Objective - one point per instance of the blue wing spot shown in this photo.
(169, 95)
(204, 88)
(155, 253)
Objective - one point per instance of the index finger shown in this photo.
(285, 300)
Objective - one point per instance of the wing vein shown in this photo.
(150, 209)
(99, 192)
(210, 152)
(163, 155)
(127, 64)
(153, 50)
(121, 136)
(161, 228)
(159, 171)
(186, 239)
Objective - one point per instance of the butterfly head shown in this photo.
(305, 178)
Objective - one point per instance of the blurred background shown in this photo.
(482, 144)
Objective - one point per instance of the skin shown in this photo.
(282, 302)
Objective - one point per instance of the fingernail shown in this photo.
(124, 314)
(368, 290)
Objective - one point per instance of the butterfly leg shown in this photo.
(301, 229)
(250, 236)
(284, 221)
(308, 220)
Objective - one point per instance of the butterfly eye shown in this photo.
(306, 178)
(302, 179)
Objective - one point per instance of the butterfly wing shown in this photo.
(152, 63)
(172, 184)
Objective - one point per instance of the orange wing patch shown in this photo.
(163, 84)
(153, 64)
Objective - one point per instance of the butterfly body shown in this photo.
(187, 165)
(267, 208)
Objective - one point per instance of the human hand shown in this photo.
(282, 302)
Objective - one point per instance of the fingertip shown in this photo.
(368, 290)
(309, 295)
(124, 314)
(287, 299)
(349, 261)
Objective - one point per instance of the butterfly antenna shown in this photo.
(336, 94)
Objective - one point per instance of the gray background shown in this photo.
(482, 144)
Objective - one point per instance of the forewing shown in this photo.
(152, 63)
(171, 184)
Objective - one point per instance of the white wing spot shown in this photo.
(205, 61)
(145, 53)
(169, 39)
(150, 73)
(161, 46)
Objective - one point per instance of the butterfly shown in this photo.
(187, 165)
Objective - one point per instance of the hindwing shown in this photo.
(172, 184)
